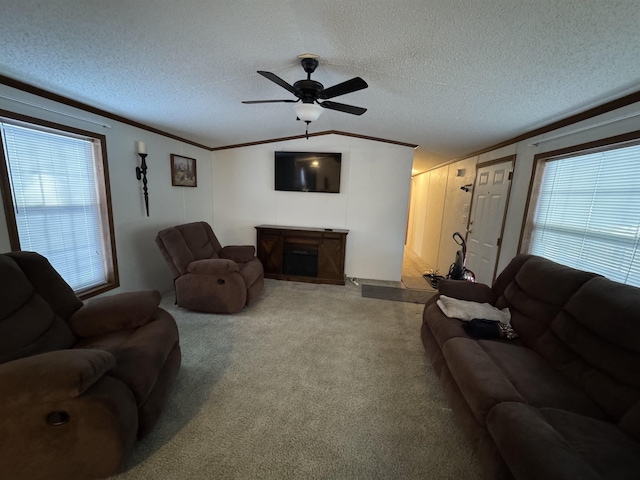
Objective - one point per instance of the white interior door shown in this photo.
(490, 194)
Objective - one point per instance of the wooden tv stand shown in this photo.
(302, 254)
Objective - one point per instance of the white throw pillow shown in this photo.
(466, 310)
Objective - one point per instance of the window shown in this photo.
(55, 191)
(586, 211)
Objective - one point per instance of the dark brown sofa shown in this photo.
(207, 276)
(563, 400)
(78, 383)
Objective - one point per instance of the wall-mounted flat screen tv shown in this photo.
(308, 171)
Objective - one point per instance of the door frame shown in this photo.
(508, 158)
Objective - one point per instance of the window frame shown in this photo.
(605, 144)
(104, 192)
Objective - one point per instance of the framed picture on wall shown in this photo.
(183, 171)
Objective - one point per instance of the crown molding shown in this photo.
(25, 87)
(316, 134)
(585, 115)
(565, 122)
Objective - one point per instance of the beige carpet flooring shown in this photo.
(310, 382)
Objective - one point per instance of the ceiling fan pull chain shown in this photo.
(307, 131)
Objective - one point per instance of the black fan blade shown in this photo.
(276, 79)
(343, 88)
(341, 107)
(271, 101)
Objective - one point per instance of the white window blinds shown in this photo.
(56, 201)
(587, 214)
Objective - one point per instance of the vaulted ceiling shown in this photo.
(452, 76)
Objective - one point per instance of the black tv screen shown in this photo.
(308, 171)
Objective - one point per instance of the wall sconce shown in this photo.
(141, 173)
(466, 188)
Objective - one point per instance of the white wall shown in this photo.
(140, 263)
(456, 210)
(418, 212)
(439, 209)
(372, 203)
(607, 125)
(433, 216)
(590, 130)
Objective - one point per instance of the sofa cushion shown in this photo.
(33, 328)
(489, 372)
(16, 287)
(509, 273)
(463, 290)
(140, 353)
(175, 250)
(538, 293)
(611, 311)
(538, 383)
(614, 397)
(213, 266)
(602, 326)
(555, 444)
(549, 282)
(594, 343)
(47, 282)
(28, 324)
(200, 240)
(186, 243)
(481, 381)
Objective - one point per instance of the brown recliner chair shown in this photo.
(208, 277)
(78, 383)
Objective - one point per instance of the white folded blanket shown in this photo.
(465, 310)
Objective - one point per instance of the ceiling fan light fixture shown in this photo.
(308, 112)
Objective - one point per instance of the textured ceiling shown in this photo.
(453, 76)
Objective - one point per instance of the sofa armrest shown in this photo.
(53, 376)
(116, 312)
(462, 290)
(213, 266)
(238, 253)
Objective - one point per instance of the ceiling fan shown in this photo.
(310, 92)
